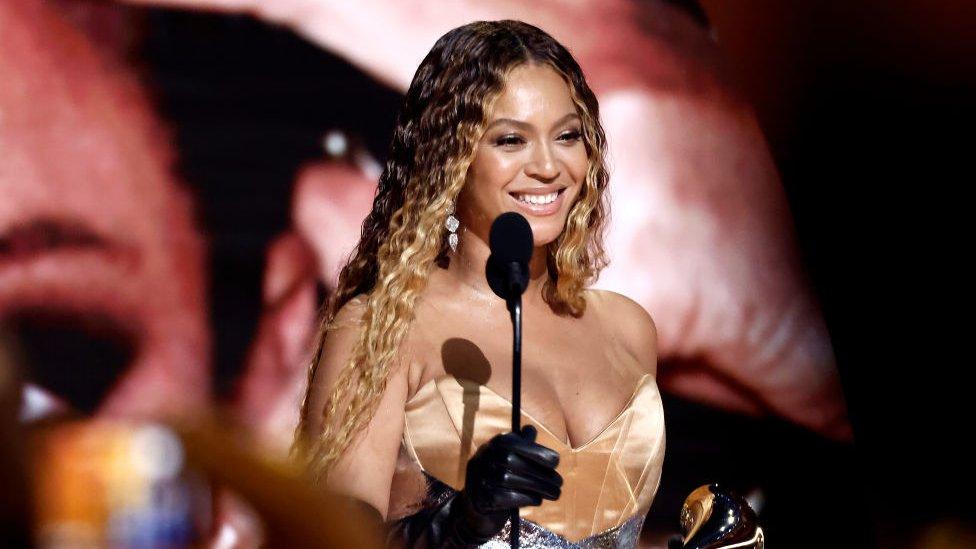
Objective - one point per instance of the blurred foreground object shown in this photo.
(118, 484)
(713, 518)
(294, 512)
(125, 484)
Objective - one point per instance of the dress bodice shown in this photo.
(608, 481)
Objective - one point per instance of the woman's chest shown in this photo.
(607, 480)
(575, 376)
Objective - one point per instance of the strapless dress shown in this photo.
(609, 481)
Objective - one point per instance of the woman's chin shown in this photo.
(541, 239)
(545, 233)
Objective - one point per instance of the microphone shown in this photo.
(510, 240)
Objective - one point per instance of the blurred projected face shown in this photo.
(531, 159)
(100, 268)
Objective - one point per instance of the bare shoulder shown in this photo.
(341, 334)
(350, 315)
(629, 322)
(338, 340)
(339, 343)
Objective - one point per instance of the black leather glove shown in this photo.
(507, 472)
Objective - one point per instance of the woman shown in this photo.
(408, 395)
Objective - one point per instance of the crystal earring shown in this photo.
(452, 225)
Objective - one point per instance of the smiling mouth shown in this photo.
(531, 199)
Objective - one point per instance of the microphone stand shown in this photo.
(507, 273)
(515, 309)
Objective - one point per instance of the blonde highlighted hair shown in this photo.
(443, 117)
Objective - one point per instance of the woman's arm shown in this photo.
(365, 470)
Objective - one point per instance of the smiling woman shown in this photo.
(409, 391)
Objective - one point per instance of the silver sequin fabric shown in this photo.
(534, 536)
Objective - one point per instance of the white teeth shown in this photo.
(538, 199)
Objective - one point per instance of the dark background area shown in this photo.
(867, 107)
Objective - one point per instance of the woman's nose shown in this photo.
(542, 165)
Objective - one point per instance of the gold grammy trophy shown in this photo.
(715, 518)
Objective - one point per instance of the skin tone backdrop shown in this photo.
(701, 235)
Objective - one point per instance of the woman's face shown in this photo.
(531, 158)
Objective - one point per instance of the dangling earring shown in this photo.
(452, 225)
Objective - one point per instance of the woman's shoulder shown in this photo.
(621, 308)
(629, 322)
(352, 310)
(346, 329)
(339, 335)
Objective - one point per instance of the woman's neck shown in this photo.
(467, 266)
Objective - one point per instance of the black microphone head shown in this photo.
(510, 238)
(511, 242)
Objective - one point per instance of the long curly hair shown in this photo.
(443, 117)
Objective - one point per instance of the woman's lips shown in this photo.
(549, 208)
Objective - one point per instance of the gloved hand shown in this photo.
(507, 472)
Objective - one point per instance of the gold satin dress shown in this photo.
(609, 482)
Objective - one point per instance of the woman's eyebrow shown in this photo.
(526, 125)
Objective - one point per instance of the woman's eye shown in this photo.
(572, 135)
(509, 140)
